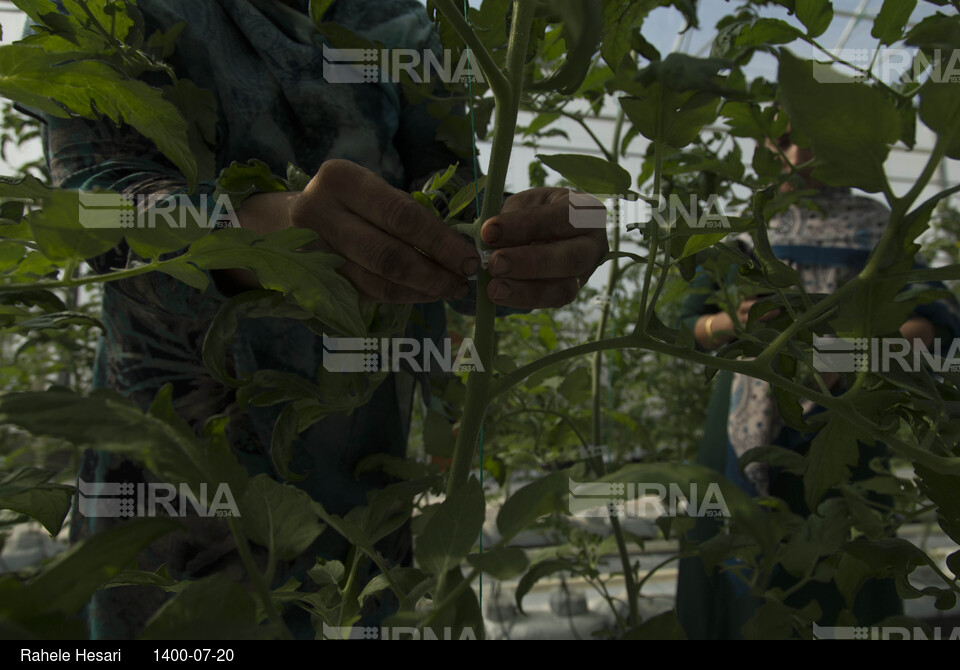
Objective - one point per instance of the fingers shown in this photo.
(397, 214)
(771, 315)
(375, 288)
(552, 260)
(533, 294)
(743, 312)
(391, 260)
(545, 214)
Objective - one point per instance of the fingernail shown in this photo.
(492, 232)
(470, 267)
(500, 265)
(503, 291)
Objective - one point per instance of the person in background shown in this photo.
(827, 244)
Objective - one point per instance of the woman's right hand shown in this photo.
(395, 250)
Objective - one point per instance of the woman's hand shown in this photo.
(714, 330)
(395, 250)
(542, 259)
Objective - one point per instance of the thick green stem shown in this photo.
(507, 109)
(259, 584)
(497, 81)
(69, 282)
(749, 368)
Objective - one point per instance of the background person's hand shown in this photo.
(542, 259)
(395, 250)
(743, 311)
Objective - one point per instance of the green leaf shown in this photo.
(697, 243)
(452, 530)
(213, 608)
(465, 197)
(58, 321)
(386, 510)
(308, 277)
(34, 77)
(279, 517)
(220, 334)
(767, 31)
(163, 43)
(936, 32)
(953, 563)
(622, 20)
(57, 230)
(548, 337)
(583, 25)
(326, 573)
(590, 173)
(833, 449)
(199, 109)
(111, 15)
(939, 110)
(66, 583)
(541, 570)
(285, 431)
(160, 440)
(892, 555)
(405, 579)
(440, 179)
(242, 179)
(816, 15)
(850, 126)
(942, 489)
(27, 491)
(11, 253)
(297, 178)
(778, 457)
(523, 508)
(576, 387)
(685, 73)
(679, 116)
(892, 19)
(501, 563)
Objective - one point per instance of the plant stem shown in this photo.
(261, 587)
(350, 586)
(89, 279)
(645, 314)
(495, 79)
(478, 395)
(597, 464)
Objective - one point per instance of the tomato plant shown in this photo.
(563, 61)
